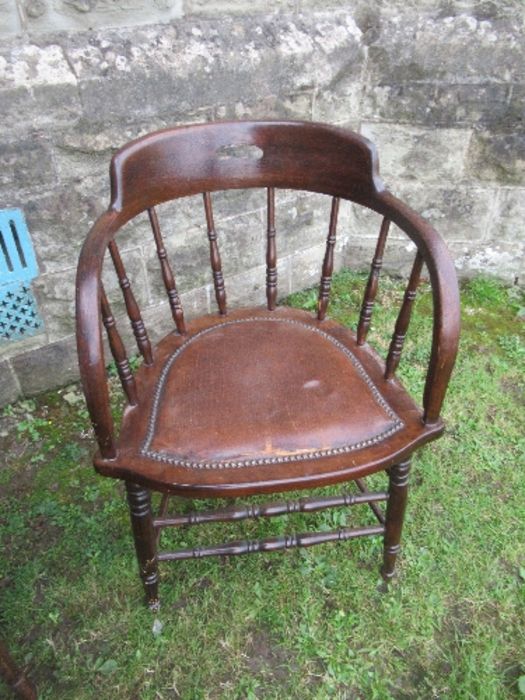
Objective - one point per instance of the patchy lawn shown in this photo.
(311, 623)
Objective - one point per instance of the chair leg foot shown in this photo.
(145, 540)
(395, 513)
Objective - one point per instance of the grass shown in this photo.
(308, 624)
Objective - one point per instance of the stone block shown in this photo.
(159, 321)
(306, 265)
(9, 18)
(283, 106)
(39, 87)
(431, 104)
(500, 258)
(214, 8)
(17, 107)
(48, 107)
(47, 367)
(30, 64)
(55, 293)
(74, 15)
(447, 48)
(15, 347)
(498, 157)
(27, 164)
(242, 242)
(508, 222)
(188, 254)
(197, 64)
(458, 213)
(60, 219)
(340, 103)
(397, 260)
(56, 106)
(85, 148)
(147, 73)
(448, 65)
(248, 288)
(227, 204)
(365, 223)
(461, 215)
(418, 154)
(9, 388)
(135, 271)
(302, 222)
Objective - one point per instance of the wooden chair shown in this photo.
(262, 399)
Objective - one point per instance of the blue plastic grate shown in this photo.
(19, 316)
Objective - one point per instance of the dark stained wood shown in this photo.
(215, 258)
(376, 510)
(271, 252)
(132, 307)
(167, 273)
(269, 510)
(271, 544)
(139, 501)
(263, 400)
(15, 677)
(118, 351)
(371, 287)
(395, 513)
(328, 262)
(163, 509)
(445, 300)
(403, 319)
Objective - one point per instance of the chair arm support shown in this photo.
(89, 331)
(445, 295)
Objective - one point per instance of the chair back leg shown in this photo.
(144, 534)
(395, 513)
(15, 677)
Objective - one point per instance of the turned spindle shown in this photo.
(215, 258)
(118, 351)
(167, 274)
(137, 324)
(328, 263)
(398, 338)
(365, 317)
(271, 252)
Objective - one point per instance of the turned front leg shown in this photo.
(395, 514)
(145, 540)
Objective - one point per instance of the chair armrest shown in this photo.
(445, 295)
(89, 331)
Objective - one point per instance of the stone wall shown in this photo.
(438, 86)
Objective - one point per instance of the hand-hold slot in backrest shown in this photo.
(167, 275)
(118, 351)
(132, 308)
(403, 319)
(215, 258)
(328, 262)
(365, 317)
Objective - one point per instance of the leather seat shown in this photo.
(258, 396)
